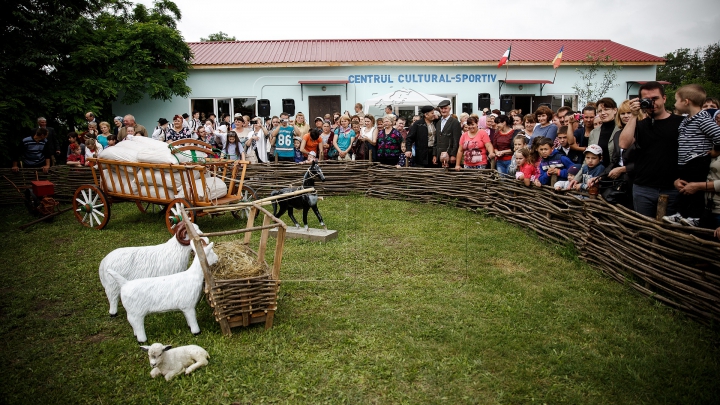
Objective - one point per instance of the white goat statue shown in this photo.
(145, 261)
(175, 292)
(170, 362)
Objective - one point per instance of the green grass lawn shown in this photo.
(411, 304)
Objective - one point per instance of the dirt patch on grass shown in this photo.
(62, 241)
(508, 266)
(96, 338)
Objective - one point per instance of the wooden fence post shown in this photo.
(661, 207)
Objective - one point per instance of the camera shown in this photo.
(647, 103)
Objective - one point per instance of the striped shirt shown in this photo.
(697, 136)
(35, 153)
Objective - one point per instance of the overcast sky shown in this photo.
(656, 27)
(651, 27)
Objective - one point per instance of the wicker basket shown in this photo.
(244, 301)
(249, 300)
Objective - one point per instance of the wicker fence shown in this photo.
(678, 266)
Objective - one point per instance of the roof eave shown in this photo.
(403, 63)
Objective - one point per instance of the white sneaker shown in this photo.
(673, 219)
(690, 221)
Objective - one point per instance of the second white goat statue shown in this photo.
(145, 261)
(175, 292)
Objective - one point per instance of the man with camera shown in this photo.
(282, 137)
(656, 150)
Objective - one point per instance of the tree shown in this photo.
(590, 89)
(62, 58)
(698, 66)
(217, 37)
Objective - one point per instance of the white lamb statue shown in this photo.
(145, 261)
(170, 362)
(176, 292)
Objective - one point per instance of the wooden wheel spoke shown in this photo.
(91, 207)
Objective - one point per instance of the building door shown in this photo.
(523, 104)
(321, 105)
(537, 100)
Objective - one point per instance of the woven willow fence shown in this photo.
(678, 266)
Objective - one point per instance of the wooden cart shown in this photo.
(170, 186)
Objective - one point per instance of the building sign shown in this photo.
(424, 78)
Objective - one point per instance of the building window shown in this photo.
(564, 100)
(220, 106)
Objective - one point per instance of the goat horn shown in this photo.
(181, 234)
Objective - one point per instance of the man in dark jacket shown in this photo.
(448, 132)
(422, 135)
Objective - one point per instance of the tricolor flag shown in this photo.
(558, 58)
(505, 57)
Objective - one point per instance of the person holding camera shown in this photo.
(283, 137)
(656, 150)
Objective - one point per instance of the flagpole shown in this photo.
(507, 64)
(555, 76)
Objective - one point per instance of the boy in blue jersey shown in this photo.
(283, 138)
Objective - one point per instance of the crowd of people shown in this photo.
(632, 152)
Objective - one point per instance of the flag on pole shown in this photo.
(558, 58)
(505, 57)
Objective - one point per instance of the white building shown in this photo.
(323, 76)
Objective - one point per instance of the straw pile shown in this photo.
(236, 260)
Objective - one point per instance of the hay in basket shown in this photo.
(236, 260)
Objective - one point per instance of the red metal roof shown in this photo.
(408, 51)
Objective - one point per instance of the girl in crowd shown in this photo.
(177, 131)
(388, 142)
(344, 137)
(519, 142)
(475, 148)
(547, 129)
(518, 122)
(327, 138)
(603, 134)
(92, 150)
(368, 138)
(526, 171)
(233, 148)
(503, 143)
(104, 133)
(620, 159)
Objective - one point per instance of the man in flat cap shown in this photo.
(448, 131)
(423, 135)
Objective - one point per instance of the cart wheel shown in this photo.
(153, 208)
(91, 207)
(172, 215)
(248, 194)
